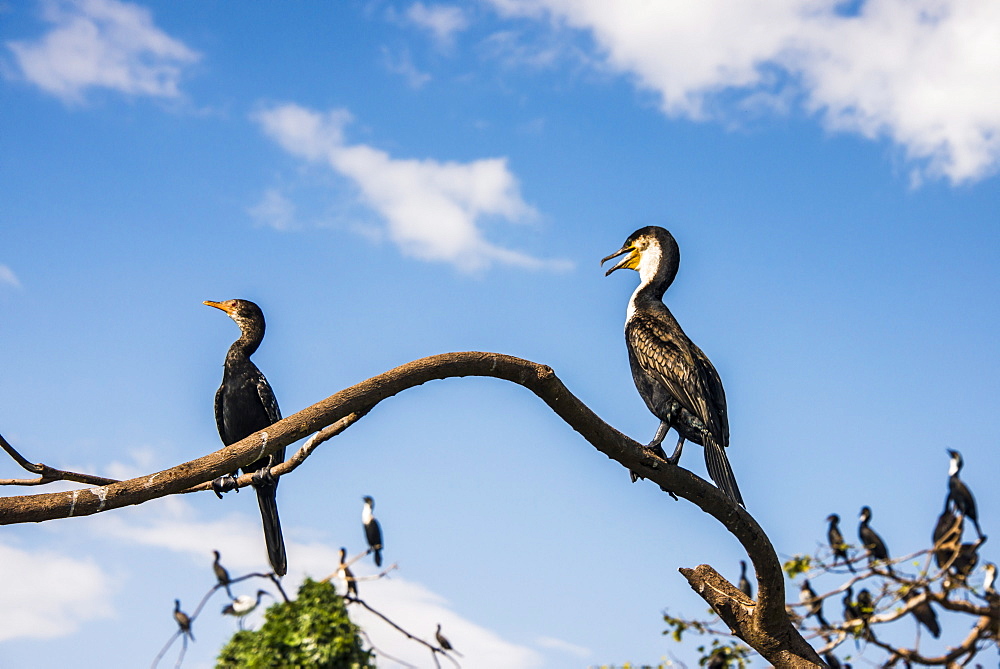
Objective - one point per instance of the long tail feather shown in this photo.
(718, 468)
(268, 502)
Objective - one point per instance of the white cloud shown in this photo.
(8, 278)
(442, 21)
(49, 595)
(564, 646)
(923, 73)
(403, 65)
(274, 210)
(104, 44)
(174, 525)
(433, 210)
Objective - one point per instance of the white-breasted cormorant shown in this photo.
(183, 621)
(837, 543)
(346, 575)
(959, 493)
(221, 575)
(245, 404)
(674, 377)
(373, 531)
(443, 641)
(923, 612)
(871, 541)
(814, 605)
(744, 582)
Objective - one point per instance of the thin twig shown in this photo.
(433, 648)
(47, 474)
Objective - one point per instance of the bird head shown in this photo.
(244, 312)
(956, 462)
(866, 514)
(643, 251)
(833, 518)
(368, 500)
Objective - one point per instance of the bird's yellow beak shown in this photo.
(629, 262)
(217, 305)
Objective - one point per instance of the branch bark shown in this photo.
(763, 624)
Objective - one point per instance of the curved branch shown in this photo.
(763, 624)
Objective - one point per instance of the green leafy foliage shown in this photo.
(798, 564)
(720, 655)
(677, 626)
(312, 631)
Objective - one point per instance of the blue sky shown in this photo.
(389, 180)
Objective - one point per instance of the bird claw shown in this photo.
(225, 484)
(263, 475)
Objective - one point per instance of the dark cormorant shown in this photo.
(675, 379)
(850, 610)
(443, 641)
(837, 543)
(744, 584)
(221, 575)
(959, 493)
(832, 661)
(373, 531)
(947, 536)
(865, 606)
(183, 621)
(965, 561)
(871, 541)
(924, 614)
(346, 575)
(814, 605)
(245, 404)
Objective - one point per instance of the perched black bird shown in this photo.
(744, 584)
(837, 543)
(346, 575)
(959, 493)
(965, 561)
(923, 612)
(221, 575)
(865, 606)
(832, 661)
(814, 605)
(675, 379)
(245, 404)
(947, 537)
(443, 641)
(850, 610)
(871, 541)
(373, 531)
(183, 621)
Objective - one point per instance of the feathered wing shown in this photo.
(373, 533)
(673, 361)
(267, 490)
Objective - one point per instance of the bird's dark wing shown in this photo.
(666, 354)
(268, 399)
(220, 418)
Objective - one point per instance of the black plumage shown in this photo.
(959, 494)
(850, 610)
(947, 538)
(346, 575)
(443, 641)
(923, 612)
(744, 583)
(183, 621)
(221, 575)
(245, 404)
(373, 531)
(837, 543)
(813, 604)
(871, 541)
(865, 606)
(674, 377)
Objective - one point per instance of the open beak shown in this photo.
(629, 262)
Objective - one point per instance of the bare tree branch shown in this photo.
(46, 474)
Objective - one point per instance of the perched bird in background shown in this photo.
(221, 575)
(837, 543)
(245, 404)
(832, 661)
(965, 561)
(947, 537)
(373, 531)
(866, 606)
(871, 540)
(243, 606)
(924, 614)
(959, 493)
(989, 583)
(183, 621)
(814, 605)
(744, 584)
(346, 575)
(674, 378)
(850, 610)
(443, 641)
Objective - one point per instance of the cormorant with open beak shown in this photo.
(373, 531)
(744, 583)
(959, 493)
(245, 404)
(814, 605)
(675, 379)
(871, 540)
(837, 543)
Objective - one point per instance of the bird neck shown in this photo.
(954, 467)
(251, 334)
(657, 270)
(366, 514)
